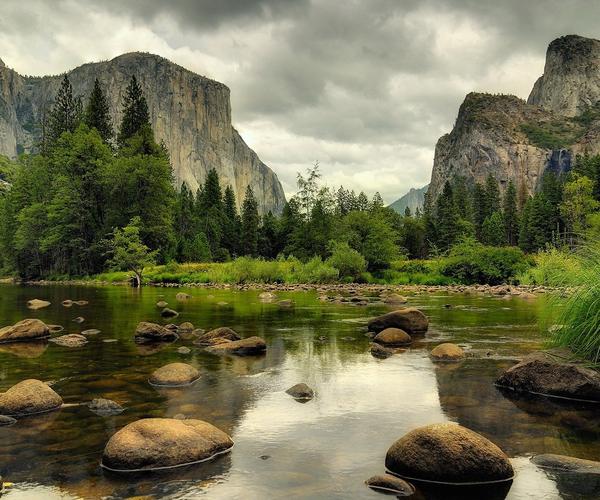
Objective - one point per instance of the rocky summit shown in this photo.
(190, 113)
(513, 140)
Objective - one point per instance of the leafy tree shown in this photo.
(589, 166)
(97, 113)
(346, 260)
(135, 112)
(510, 215)
(578, 203)
(127, 251)
(412, 237)
(66, 113)
(308, 188)
(250, 222)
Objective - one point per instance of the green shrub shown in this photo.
(552, 267)
(346, 260)
(316, 271)
(471, 262)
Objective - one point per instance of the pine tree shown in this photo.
(135, 112)
(447, 220)
(510, 215)
(66, 112)
(492, 196)
(492, 231)
(268, 243)
(230, 239)
(97, 113)
(407, 212)
(377, 202)
(211, 194)
(479, 208)
(250, 221)
(362, 202)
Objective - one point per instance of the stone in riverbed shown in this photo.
(5, 421)
(182, 297)
(67, 303)
(37, 304)
(71, 340)
(78, 319)
(29, 397)
(186, 326)
(56, 328)
(563, 463)
(409, 319)
(286, 304)
(393, 337)
(447, 352)
(542, 373)
(245, 347)
(162, 304)
(151, 332)
(184, 350)
(27, 329)
(91, 331)
(267, 297)
(394, 298)
(168, 313)
(391, 484)
(159, 443)
(448, 453)
(105, 407)
(174, 374)
(378, 351)
(301, 391)
(223, 332)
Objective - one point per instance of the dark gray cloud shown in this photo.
(366, 87)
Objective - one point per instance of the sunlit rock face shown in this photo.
(191, 114)
(489, 136)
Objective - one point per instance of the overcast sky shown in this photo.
(365, 87)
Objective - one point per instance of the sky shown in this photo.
(364, 87)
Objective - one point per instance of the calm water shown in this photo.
(325, 448)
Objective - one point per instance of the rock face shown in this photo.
(29, 397)
(448, 453)
(409, 319)
(541, 373)
(174, 374)
(413, 200)
(495, 134)
(189, 112)
(28, 329)
(161, 443)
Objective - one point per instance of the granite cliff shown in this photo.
(414, 199)
(514, 140)
(190, 113)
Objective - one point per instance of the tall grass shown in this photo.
(552, 267)
(578, 320)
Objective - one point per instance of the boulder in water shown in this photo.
(37, 304)
(105, 407)
(390, 484)
(393, 337)
(70, 340)
(182, 297)
(245, 347)
(394, 298)
(448, 453)
(163, 443)
(162, 304)
(5, 421)
(168, 313)
(378, 351)
(29, 397)
(409, 319)
(186, 326)
(174, 374)
(447, 352)
(151, 332)
(91, 331)
(223, 333)
(27, 329)
(563, 463)
(301, 391)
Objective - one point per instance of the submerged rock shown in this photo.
(67, 303)
(447, 352)
(245, 347)
(184, 350)
(448, 453)
(37, 304)
(182, 297)
(563, 463)
(409, 319)
(267, 296)
(27, 329)
(162, 304)
(186, 326)
(393, 337)
(56, 328)
(223, 333)
(541, 373)
(301, 391)
(394, 298)
(105, 407)
(168, 313)
(286, 304)
(91, 331)
(5, 421)
(378, 351)
(151, 332)
(78, 319)
(29, 397)
(174, 374)
(160, 443)
(390, 484)
(71, 340)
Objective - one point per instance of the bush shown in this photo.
(346, 260)
(471, 262)
(552, 267)
(316, 271)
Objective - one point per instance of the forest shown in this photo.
(93, 199)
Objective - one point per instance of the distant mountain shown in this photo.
(413, 199)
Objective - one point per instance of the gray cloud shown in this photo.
(365, 87)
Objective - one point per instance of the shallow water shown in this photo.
(325, 448)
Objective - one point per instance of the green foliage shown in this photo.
(65, 115)
(471, 262)
(552, 267)
(346, 260)
(250, 223)
(492, 231)
(554, 134)
(510, 215)
(578, 203)
(97, 113)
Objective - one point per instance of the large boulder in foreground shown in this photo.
(28, 329)
(29, 397)
(174, 374)
(151, 332)
(393, 337)
(543, 373)
(160, 443)
(448, 453)
(245, 347)
(222, 332)
(409, 319)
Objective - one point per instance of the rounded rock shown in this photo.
(448, 453)
(168, 313)
(27, 329)
(245, 347)
(29, 397)
(447, 352)
(163, 443)
(162, 304)
(301, 391)
(182, 297)
(70, 340)
(224, 333)
(390, 484)
(186, 327)
(149, 332)
(409, 319)
(393, 337)
(174, 374)
(105, 407)
(37, 304)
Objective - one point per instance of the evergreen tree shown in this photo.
(447, 220)
(230, 239)
(407, 212)
(479, 208)
(135, 112)
(377, 202)
(492, 231)
(492, 194)
(462, 198)
(250, 221)
(97, 113)
(211, 193)
(268, 242)
(66, 112)
(510, 215)
(362, 202)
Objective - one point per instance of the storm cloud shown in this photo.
(364, 87)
